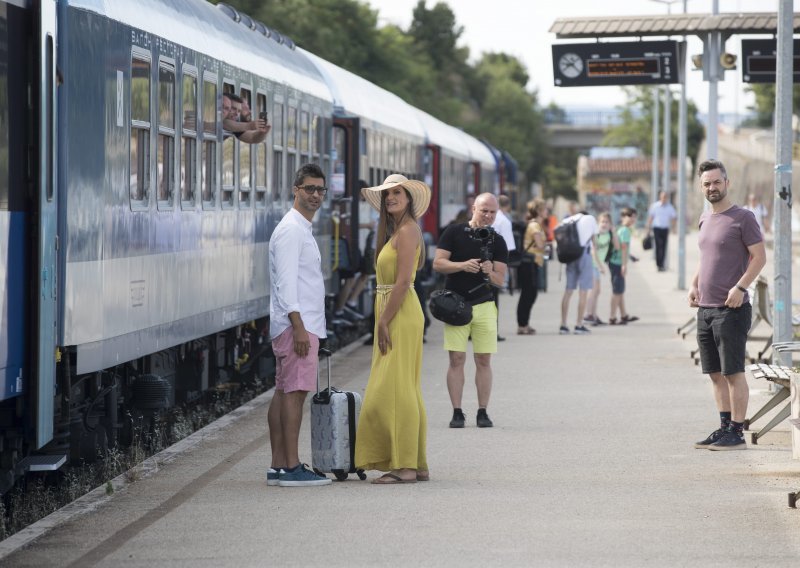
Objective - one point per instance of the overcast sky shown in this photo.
(520, 28)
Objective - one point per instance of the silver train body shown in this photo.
(134, 230)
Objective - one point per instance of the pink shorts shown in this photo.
(292, 372)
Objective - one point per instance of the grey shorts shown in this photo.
(722, 338)
(580, 273)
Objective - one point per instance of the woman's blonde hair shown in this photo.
(534, 209)
(387, 226)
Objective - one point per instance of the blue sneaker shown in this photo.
(273, 475)
(301, 476)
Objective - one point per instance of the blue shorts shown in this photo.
(580, 273)
(617, 279)
(722, 338)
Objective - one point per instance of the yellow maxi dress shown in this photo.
(392, 425)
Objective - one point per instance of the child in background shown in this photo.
(606, 244)
(618, 266)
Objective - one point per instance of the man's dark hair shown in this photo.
(234, 98)
(628, 212)
(709, 165)
(308, 171)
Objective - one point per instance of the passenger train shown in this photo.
(134, 229)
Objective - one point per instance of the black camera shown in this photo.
(484, 236)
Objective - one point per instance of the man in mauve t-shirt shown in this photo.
(731, 256)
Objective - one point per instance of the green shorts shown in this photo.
(482, 329)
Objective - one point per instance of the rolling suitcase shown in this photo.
(334, 417)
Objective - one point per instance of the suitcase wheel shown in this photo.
(341, 475)
(361, 475)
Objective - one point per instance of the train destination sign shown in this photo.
(618, 63)
(760, 58)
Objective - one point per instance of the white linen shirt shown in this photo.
(295, 274)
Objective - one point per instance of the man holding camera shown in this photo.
(474, 259)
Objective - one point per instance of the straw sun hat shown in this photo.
(420, 193)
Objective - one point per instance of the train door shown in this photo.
(44, 83)
(431, 163)
(345, 191)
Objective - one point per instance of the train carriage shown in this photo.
(134, 226)
(152, 222)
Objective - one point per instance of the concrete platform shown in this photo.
(590, 463)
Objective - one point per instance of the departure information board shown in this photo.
(760, 59)
(618, 63)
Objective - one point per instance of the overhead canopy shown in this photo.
(667, 25)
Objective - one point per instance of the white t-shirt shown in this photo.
(502, 225)
(587, 227)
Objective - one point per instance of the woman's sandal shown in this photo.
(423, 476)
(526, 331)
(391, 479)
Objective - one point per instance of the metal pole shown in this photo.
(666, 184)
(713, 49)
(782, 305)
(654, 148)
(682, 139)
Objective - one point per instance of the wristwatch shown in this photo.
(742, 288)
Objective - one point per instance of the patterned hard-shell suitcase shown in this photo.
(334, 417)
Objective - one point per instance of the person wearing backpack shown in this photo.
(576, 246)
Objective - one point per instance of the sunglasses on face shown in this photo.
(310, 189)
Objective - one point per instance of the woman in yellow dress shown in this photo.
(392, 426)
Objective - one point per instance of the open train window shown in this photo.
(316, 138)
(140, 130)
(246, 151)
(165, 150)
(188, 163)
(208, 172)
(228, 155)
(260, 157)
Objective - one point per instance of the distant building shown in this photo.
(620, 178)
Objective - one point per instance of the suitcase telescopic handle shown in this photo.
(323, 352)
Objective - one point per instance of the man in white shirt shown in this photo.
(661, 218)
(296, 324)
(580, 272)
(502, 226)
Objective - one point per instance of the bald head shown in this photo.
(484, 210)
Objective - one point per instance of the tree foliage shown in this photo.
(764, 106)
(426, 66)
(636, 128)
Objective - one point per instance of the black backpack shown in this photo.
(568, 241)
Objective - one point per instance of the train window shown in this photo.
(188, 163)
(316, 139)
(209, 107)
(291, 164)
(140, 130)
(244, 173)
(304, 132)
(277, 124)
(165, 151)
(209, 166)
(209, 172)
(277, 175)
(260, 157)
(228, 154)
(247, 101)
(363, 141)
(291, 127)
